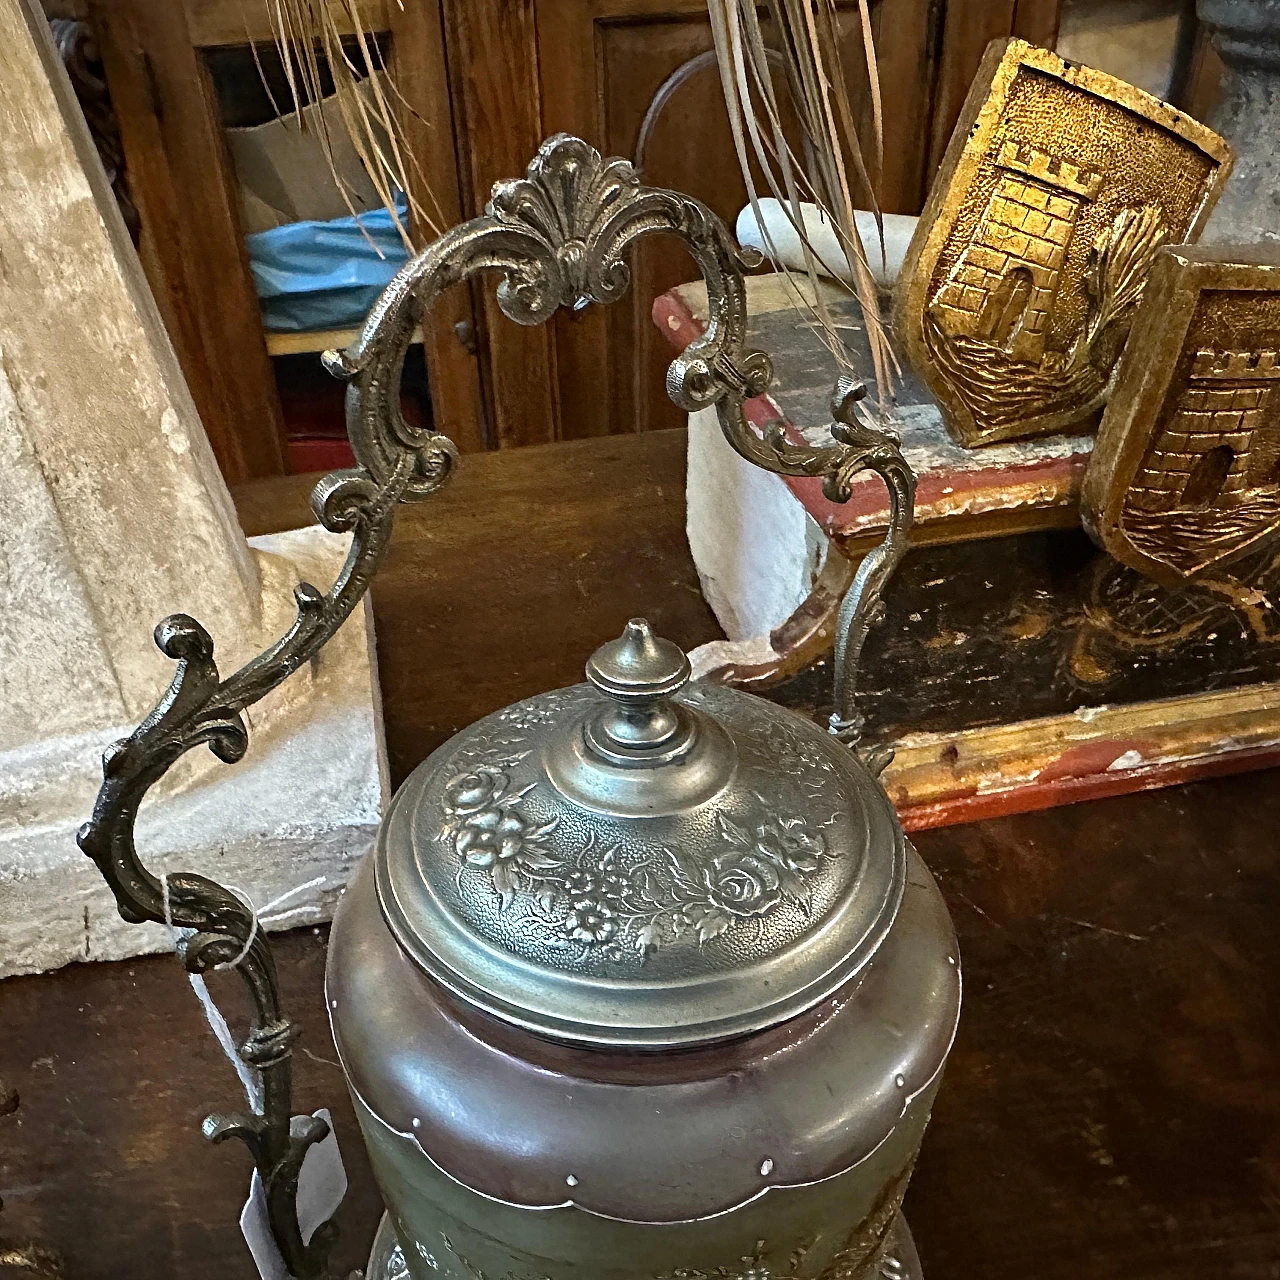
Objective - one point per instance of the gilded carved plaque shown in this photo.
(1058, 187)
(1185, 477)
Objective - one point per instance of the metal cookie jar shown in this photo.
(643, 980)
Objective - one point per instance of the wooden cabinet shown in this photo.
(485, 81)
(637, 78)
(630, 76)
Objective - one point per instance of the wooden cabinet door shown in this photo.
(606, 69)
(609, 68)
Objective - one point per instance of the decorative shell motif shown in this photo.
(566, 203)
(762, 859)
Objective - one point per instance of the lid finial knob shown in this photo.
(639, 672)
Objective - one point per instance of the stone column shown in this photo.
(114, 514)
(1246, 34)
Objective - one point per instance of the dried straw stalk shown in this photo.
(806, 34)
(308, 38)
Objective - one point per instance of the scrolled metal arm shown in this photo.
(200, 707)
(558, 237)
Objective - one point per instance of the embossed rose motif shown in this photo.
(471, 792)
(491, 832)
(490, 836)
(597, 896)
(603, 883)
(763, 861)
(591, 922)
(791, 844)
(793, 754)
(528, 716)
(743, 882)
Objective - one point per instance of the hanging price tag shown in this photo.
(322, 1183)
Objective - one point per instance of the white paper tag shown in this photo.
(256, 1228)
(322, 1183)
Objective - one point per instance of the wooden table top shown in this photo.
(1112, 1105)
(501, 585)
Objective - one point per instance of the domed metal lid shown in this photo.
(636, 863)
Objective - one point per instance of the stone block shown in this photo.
(1036, 197)
(115, 516)
(988, 259)
(1061, 207)
(1035, 223)
(302, 806)
(1041, 252)
(1018, 244)
(1059, 231)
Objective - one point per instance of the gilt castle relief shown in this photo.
(1059, 187)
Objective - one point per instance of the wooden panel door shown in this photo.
(493, 52)
(611, 59)
(191, 245)
(523, 69)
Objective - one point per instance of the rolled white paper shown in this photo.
(788, 252)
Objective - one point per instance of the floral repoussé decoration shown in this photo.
(492, 834)
(763, 860)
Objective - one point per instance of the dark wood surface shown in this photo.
(501, 585)
(1111, 1107)
(493, 68)
(1039, 624)
(420, 69)
(602, 64)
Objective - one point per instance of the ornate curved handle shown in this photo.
(199, 707)
(558, 236)
(874, 449)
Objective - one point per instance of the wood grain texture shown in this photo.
(222, 22)
(908, 34)
(514, 572)
(610, 58)
(968, 27)
(1198, 86)
(1109, 1108)
(1037, 21)
(192, 247)
(493, 55)
(420, 67)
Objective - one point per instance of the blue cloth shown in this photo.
(324, 275)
